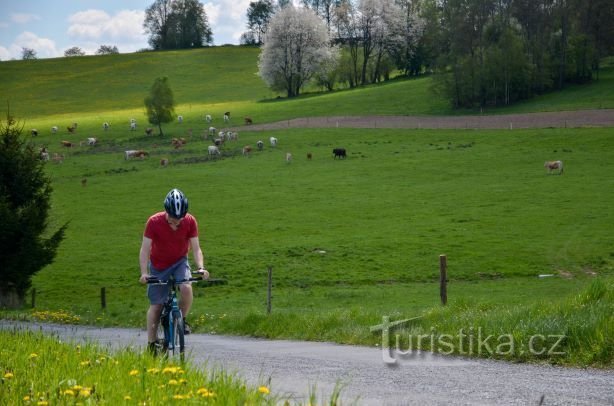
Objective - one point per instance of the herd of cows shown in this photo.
(218, 140)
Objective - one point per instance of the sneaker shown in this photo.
(153, 348)
(186, 327)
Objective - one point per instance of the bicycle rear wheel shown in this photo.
(178, 336)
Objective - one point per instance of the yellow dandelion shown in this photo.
(77, 388)
(264, 389)
(173, 382)
(180, 397)
(69, 392)
(85, 363)
(134, 372)
(85, 392)
(127, 397)
(42, 403)
(201, 391)
(169, 370)
(33, 355)
(184, 381)
(26, 398)
(9, 375)
(153, 371)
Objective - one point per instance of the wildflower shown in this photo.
(77, 388)
(264, 389)
(173, 382)
(127, 397)
(134, 372)
(184, 381)
(26, 398)
(8, 375)
(205, 393)
(85, 392)
(33, 355)
(180, 397)
(85, 363)
(153, 371)
(69, 392)
(42, 403)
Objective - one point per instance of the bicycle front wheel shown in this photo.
(178, 335)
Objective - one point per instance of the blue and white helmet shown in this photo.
(176, 204)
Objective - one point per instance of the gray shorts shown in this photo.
(158, 293)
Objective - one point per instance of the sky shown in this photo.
(50, 27)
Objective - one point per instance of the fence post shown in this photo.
(269, 289)
(33, 297)
(103, 298)
(443, 279)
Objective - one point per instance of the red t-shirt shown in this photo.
(167, 245)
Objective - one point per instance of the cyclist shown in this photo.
(168, 237)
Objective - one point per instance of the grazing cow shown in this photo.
(180, 119)
(227, 116)
(218, 141)
(554, 166)
(248, 121)
(132, 153)
(339, 153)
(54, 129)
(213, 150)
(67, 144)
(44, 155)
(246, 150)
(71, 129)
(149, 131)
(260, 145)
(212, 130)
(105, 126)
(58, 158)
(288, 157)
(84, 182)
(273, 141)
(34, 132)
(309, 156)
(164, 162)
(208, 118)
(132, 124)
(178, 142)
(91, 141)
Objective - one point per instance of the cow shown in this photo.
(208, 118)
(67, 144)
(164, 162)
(132, 124)
(178, 142)
(213, 150)
(309, 156)
(180, 119)
(54, 129)
(149, 131)
(105, 126)
(246, 150)
(34, 132)
(248, 121)
(71, 129)
(288, 157)
(135, 154)
(554, 166)
(260, 145)
(58, 158)
(83, 182)
(91, 141)
(227, 116)
(273, 141)
(339, 153)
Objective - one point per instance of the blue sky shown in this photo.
(52, 26)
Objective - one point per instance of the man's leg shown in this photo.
(153, 318)
(186, 296)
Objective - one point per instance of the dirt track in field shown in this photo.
(561, 119)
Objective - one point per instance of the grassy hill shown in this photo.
(350, 240)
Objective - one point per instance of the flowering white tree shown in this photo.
(296, 49)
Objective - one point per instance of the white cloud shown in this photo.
(126, 26)
(44, 47)
(23, 18)
(5, 55)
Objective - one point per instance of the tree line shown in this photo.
(482, 52)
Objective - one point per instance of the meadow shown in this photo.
(349, 241)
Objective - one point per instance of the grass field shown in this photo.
(349, 240)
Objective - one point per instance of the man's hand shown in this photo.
(143, 279)
(204, 273)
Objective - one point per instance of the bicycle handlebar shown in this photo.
(152, 280)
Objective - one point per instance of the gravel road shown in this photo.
(294, 367)
(559, 119)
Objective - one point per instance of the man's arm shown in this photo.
(144, 259)
(198, 256)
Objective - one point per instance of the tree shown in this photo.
(26, 244)
(74, 51)
(28, 53)
(177, 24)
(160, 103)
(296, 48)
(258, 15)
(107, 50)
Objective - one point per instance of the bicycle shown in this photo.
(171, 339)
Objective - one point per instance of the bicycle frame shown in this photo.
(172, 340)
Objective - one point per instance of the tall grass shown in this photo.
(41, 370)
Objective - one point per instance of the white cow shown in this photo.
(208, 118)
(554, 166)
(213, 150)
(180, 119)
(273, 141)
(105, 126)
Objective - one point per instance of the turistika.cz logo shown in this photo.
(470, 341)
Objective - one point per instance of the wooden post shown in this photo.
(103, 298)
(443, 279)
(33, 297)
(269, 290)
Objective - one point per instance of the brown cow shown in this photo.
(246, 150)
(554, 166)
(248, 121)
(67, 144)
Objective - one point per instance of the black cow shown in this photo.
(339, 153)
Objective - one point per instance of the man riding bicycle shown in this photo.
(168, 237)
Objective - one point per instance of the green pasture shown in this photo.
(349, 241)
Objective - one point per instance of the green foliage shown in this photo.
(25, 195)
(160, 103)
(177, 24)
